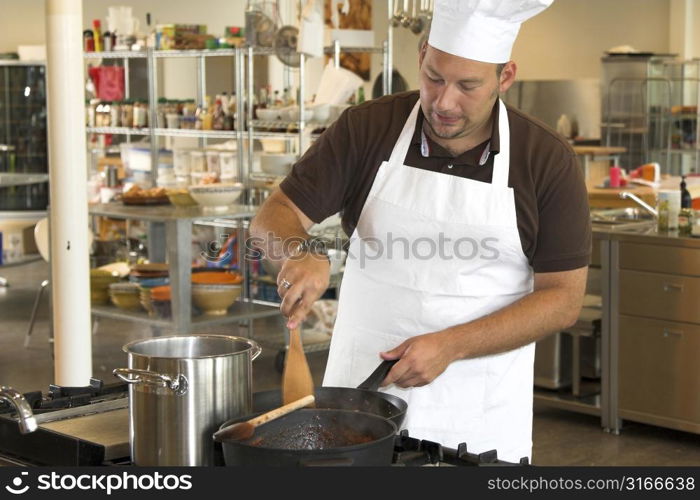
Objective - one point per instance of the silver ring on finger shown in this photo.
(286, 284)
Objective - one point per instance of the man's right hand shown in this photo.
(300, 282)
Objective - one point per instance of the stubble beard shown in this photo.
(464, 131)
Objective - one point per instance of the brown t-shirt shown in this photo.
(337, 172)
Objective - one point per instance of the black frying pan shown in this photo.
(315, 437)
(365, 398)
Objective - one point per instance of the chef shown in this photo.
(470, 236)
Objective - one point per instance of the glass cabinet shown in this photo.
(23, 142)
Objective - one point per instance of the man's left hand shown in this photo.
(422, 359)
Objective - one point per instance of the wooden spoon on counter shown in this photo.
(296, 378)
(241, 431)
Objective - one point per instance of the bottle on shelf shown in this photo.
(88, 41)
(686, 199)
(686, 217)
(218, 116)
(97, 34)
(278, 100)
(207, 114)
(360, 95)
(262, 101)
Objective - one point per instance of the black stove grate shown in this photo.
(410, 451)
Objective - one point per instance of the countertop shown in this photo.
(645, 233)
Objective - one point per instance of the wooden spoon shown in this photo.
(296, 378)
(241, 431)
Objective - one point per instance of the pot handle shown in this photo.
(379, 374)
(256, 350)
(176, 384)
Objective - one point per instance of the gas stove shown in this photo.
(89, 426)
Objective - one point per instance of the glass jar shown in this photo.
(198, 162)
(127, 114)
(668, 206)
(115, 115)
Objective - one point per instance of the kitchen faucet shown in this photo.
(27, 422)
(626, 194)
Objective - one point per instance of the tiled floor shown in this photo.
(560, 438)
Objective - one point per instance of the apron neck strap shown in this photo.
(501, 161)
(398, 154)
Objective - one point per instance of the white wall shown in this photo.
(21, 23)
(567, 40)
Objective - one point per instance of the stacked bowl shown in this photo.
(214, 292)
(125, 296)
(160, 301)
(99, 286)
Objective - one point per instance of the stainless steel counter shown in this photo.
(650, 326)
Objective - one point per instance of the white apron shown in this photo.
(431, 251)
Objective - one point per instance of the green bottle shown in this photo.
(360, 95)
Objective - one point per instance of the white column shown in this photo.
(70, 279)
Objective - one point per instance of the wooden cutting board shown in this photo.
(110, 429)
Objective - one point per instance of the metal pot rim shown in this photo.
(252, 345)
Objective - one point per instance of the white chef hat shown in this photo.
(482, 30)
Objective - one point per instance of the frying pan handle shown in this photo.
(373, 381)
(327, 462)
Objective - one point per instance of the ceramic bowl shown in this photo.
(102, 279)
(294, 113)
(267, 114)
(216, 195)
(278, 164)
(216, 278)
(162, 293)
(99, 297)
(145, 300)
(215, 299)
(322, 112)
(126, 300)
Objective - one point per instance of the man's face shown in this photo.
(457, 95)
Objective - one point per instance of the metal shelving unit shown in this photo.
(178, 222)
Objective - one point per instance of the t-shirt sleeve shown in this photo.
(319, 181)
(564, 227)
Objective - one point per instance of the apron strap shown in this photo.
(398, 154)
(501, 161)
